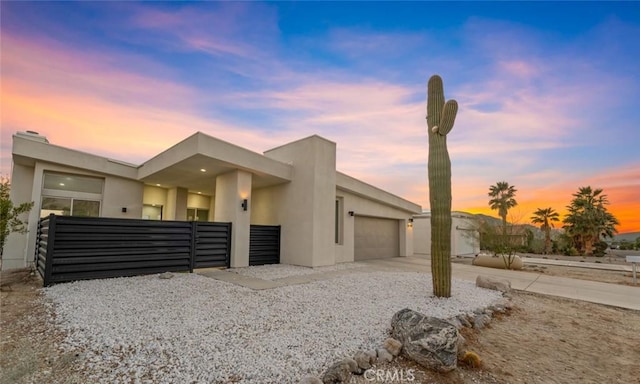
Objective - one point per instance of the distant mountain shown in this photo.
(488, 219)
(630, 236)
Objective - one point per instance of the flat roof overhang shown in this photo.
(182, 164)
(350, 184)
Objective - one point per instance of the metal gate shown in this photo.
(264, 244)
(212, 245)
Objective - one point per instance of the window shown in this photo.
(197, 214)
(71, 195)
(338, 221)
(69, 207)
(152, 212)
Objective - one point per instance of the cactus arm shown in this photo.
(448, 117)
(435, 101)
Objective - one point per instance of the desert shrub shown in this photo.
(599, 248)
(570, 251)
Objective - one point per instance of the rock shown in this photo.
(372, 354)
(310, 380)
(481, 321)
(393, 346)
(384, 356)
(464, 321)
(455, 322)
(364, 360)
(353, 366)
(488, 282)
(340, 372)
(497, 308)
(429, 341)
(166, 275)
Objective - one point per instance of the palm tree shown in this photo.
(545, 217)
(588, 219)
(502, 198)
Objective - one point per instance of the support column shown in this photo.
(176, 204)
(231, 190)
(406, 237)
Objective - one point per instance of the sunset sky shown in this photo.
(549, 93)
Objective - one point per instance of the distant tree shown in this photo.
(545, 217)
(9, 214)
(493, 239)
(588, 219)
(502, 199)
(626, 245)
(637, 243)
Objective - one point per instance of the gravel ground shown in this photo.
(281, 271)
(196, 329)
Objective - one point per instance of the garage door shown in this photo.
(376, 238)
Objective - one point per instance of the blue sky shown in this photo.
(548, 92)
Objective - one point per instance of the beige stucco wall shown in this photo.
(463, 241)
(304, 207)
(364, 206)
(122, 193)
(15, 251)
(265, 205)
(117, 193)
(154, 195)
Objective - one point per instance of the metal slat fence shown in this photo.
(264, 244)
(78, 248)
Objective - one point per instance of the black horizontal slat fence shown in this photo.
(264, 244)
(78, 248)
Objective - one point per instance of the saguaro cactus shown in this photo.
(440, 119)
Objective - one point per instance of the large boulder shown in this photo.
(429, 341)
(500, 261)
(496, 284)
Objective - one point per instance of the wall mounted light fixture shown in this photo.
(351, 213)
(245, 204)
(410, 223)
(124, 209)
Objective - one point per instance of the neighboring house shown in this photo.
(465, 240)
(326, 217)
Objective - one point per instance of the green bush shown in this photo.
(599, 248)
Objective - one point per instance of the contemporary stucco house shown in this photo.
(326, 217)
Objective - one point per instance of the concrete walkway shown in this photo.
(617, 295)
(601, 293)
(578, 264)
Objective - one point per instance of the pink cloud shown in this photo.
(80, 101)
(519, 68)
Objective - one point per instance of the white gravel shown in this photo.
(199, 330)
(281, 271)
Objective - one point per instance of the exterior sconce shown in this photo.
(351, 213)
(245, 204)
(124, 209)
(410, 223)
